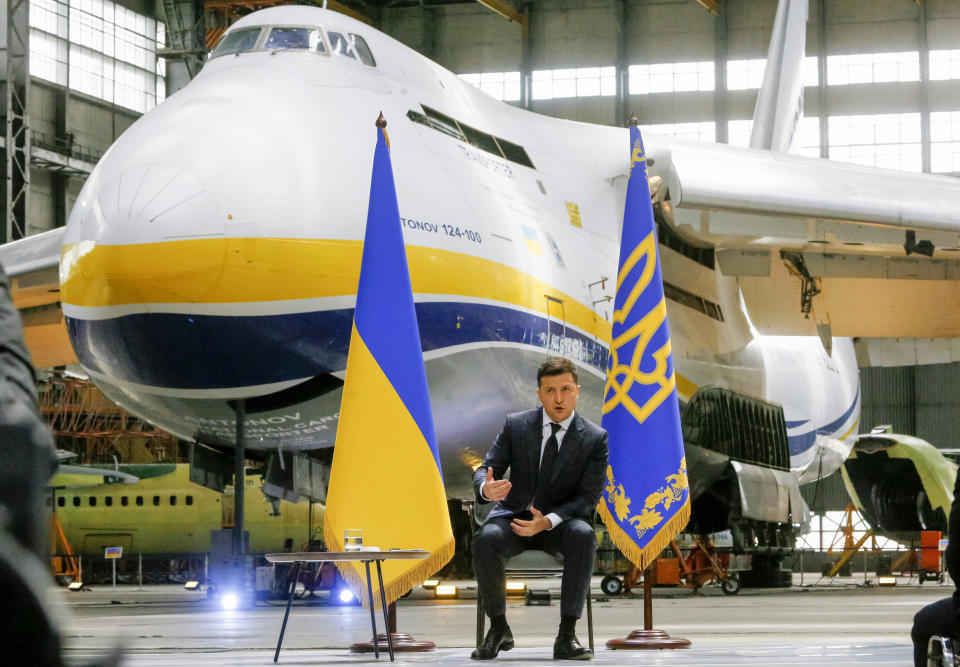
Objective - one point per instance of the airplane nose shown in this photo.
(148, 203)
(109, 254)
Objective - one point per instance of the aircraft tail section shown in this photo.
(780, 102)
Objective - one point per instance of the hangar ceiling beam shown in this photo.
(504, 10)
(15, 80)
(184, 44)
(623, 99)
(713, 6)
(924, 50)
(526, 59)
(370, 15)
(720, 110)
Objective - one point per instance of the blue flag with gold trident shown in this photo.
(646, 501)
(386, 478)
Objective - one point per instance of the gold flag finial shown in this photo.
(382, 124)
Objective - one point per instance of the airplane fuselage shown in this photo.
(214, 252)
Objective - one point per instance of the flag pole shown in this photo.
(648, 638)
(640, 406)
(400, 641)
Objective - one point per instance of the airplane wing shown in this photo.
(864, 252)
(32, 265)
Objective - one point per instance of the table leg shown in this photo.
(373, 615)
(286, 614)
(386, 618)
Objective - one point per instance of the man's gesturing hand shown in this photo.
(495, 489)
(535, 525)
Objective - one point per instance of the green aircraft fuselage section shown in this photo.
(166, 513)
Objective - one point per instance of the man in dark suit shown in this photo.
(557, 461)
(943, 617)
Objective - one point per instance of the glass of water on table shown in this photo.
(352, 539)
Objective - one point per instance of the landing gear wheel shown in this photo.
(611, 585)
(923, 577)
(731, 586)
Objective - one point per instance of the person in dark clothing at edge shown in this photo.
(28, 459)
(943, 617)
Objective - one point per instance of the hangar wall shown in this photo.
(568, 34)
(918, 400)
(619, 33)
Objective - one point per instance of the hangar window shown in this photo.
(873, 68)
(189, 500)
(173, 500)
(99, 48)
(499, 85)
(891, 141)
(805, 142)
(92, 501)
(237, 41)
(945, 141)
(578, 82)
(124, 501)
(139, 501)
(671, 77)
(302, 38)
(156, 501)
(944, 64)
(360, 46)
(699, 131)
(76, 501)
(108, 501)
(747, 74)
(61, 501)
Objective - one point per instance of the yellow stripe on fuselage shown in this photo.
(238, 270)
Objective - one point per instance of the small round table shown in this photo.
(366, 557)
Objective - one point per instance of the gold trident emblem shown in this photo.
(637, 155)
(624, 373)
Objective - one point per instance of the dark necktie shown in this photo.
(550, 450)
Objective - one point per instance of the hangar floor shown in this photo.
(836, 625)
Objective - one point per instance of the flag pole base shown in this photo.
(648, 639)
(402, 643)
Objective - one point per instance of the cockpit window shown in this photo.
(341, 45)
(294, 38)
(360, 46)
(238, 40)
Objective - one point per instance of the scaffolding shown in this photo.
(87, 423)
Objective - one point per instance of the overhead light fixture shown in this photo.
(887, 581)
(445, 591)
(192, 585)
(516, 588)
(75, 586)
(538, 597)
(431, 583)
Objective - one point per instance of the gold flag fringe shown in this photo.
(396, 588)
(643, 557)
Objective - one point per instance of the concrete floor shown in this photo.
(843, 624)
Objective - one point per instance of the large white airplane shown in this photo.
(213, 255)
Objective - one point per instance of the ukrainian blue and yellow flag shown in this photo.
(386, 477)
(533, 240)
(646, 501)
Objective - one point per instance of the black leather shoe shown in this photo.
(493, 643)
(569, 648)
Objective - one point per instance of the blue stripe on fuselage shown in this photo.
(803, 442)
(181, 351)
